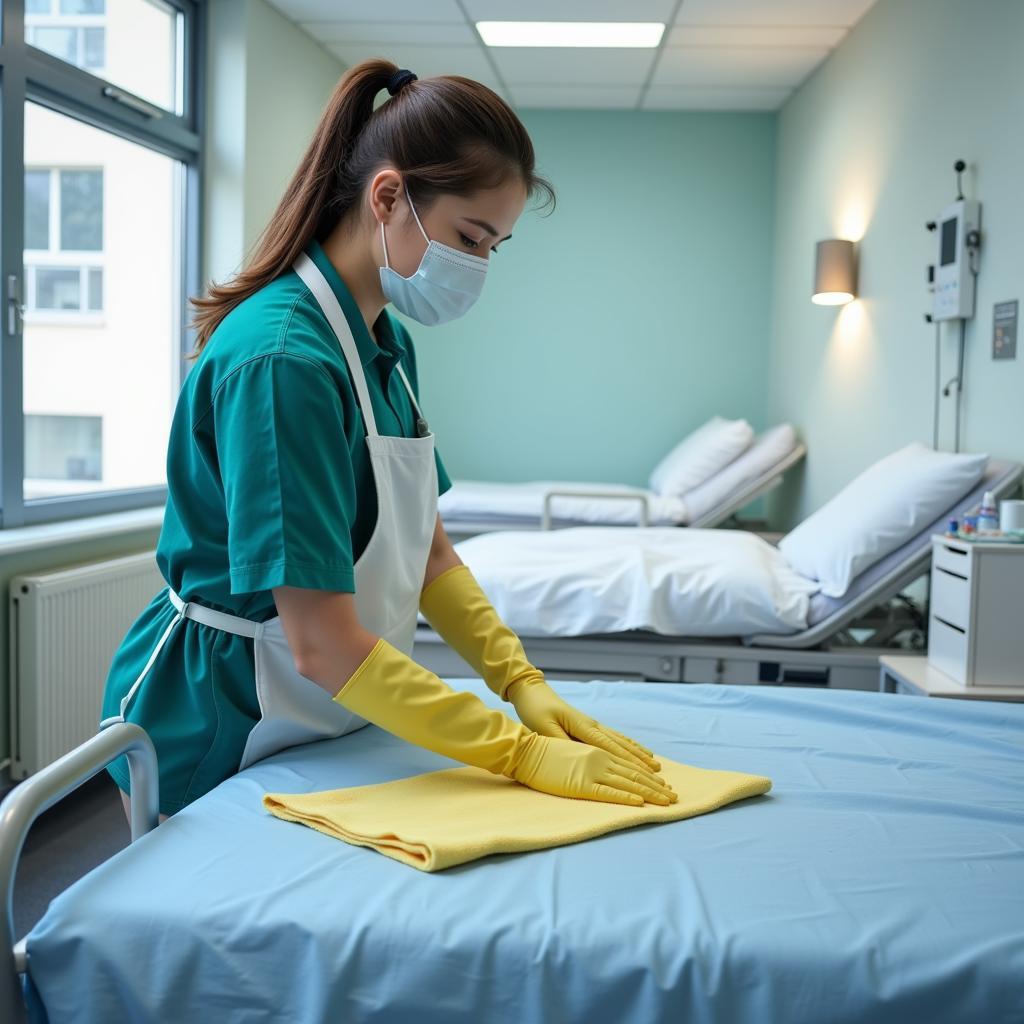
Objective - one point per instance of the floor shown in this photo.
(65, 843)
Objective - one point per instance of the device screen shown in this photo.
(947, 253)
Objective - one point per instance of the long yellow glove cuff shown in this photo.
(459, 611)
(393, 691)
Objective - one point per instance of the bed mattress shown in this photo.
(882, 879)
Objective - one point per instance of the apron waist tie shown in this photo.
(186, 610)
(211, 617)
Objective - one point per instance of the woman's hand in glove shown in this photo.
(542, 710)
(569, 769)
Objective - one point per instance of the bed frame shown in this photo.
(38, 793)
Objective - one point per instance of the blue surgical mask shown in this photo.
(446, 283)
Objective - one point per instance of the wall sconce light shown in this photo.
(835, 273)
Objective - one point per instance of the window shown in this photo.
(133, 43)
(99, 250)
(73, 30)
(64, 241)
(61, 449)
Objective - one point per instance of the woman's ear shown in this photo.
(383, 194)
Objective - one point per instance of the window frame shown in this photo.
(28, 74)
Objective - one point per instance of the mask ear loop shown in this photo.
(384, 240)
(415, 214)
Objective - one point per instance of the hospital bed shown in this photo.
(823, 652)
(472, 507)
(877, 881)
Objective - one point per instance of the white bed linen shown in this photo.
(593, 579)
(480, 499)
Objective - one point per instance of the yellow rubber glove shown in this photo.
(457, 608)
(393, 691)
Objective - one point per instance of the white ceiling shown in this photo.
(714, 55)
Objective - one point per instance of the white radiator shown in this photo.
(65, 626)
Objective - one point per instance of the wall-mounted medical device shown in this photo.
(958, 227)
(959, 235)
(951, 280)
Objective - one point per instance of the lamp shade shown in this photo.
(835, 272)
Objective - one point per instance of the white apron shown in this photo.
(388, 574)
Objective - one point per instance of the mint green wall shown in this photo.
(866, 147)
(612, 327)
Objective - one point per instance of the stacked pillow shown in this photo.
(767, 450)
(701, 455)
(879, 511)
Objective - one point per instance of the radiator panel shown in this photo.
(65, 626)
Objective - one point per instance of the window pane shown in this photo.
(95, 288)
(61, 42)
(133, 43)
(113, 357)
(94, 48)
(58, 288)
(64, 448)
(82, 6)
(37, 209)
(81, 210)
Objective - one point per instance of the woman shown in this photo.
(301, 532)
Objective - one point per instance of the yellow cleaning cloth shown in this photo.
(439, 819)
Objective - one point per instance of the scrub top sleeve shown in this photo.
(409, 364)
(289, 487)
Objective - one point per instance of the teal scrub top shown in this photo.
(269, 484)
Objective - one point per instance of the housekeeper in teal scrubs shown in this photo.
(301, 533)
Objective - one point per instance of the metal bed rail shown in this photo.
(549, 496)
(38, 793)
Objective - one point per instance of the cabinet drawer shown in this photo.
(947, 649)
(945, 556)
(951, 597)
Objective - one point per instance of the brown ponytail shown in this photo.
(447, 135)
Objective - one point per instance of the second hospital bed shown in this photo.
(472, 507)
(880, 880)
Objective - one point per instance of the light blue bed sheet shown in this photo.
(882, 879)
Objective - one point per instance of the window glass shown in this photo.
(64, 448)
(101, 352)
(57, 288)
(81, 209)
(37, 209)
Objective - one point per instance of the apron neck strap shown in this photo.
(328, 302)
(408, 387)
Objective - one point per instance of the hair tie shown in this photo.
(399, 80)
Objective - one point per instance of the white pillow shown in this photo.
(877, 512)
(700, 455)
(768, 449)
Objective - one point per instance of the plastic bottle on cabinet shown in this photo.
(988, 521)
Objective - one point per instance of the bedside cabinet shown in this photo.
(976, 619)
